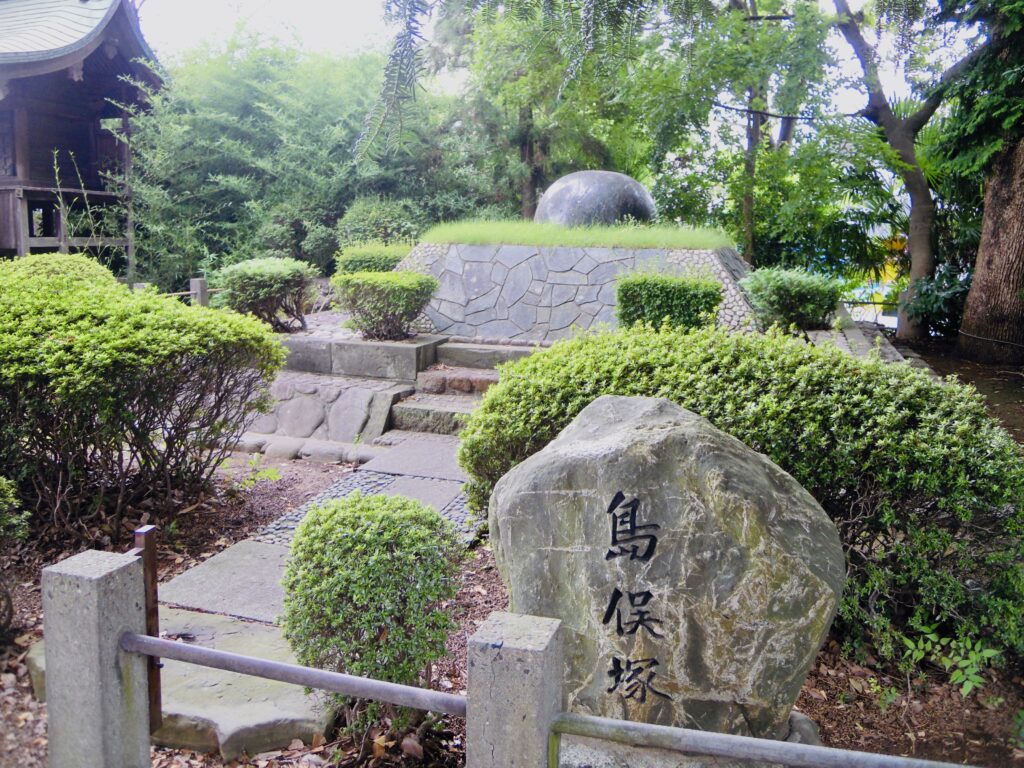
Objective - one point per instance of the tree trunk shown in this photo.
(919, 243)
(754, 123)
(993, 326)
(526, 155)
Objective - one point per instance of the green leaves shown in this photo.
(267, 289)
(685, 302)
(371, 257)
(383, 304)
(109, 397)
(788, 297)
(927, 491)
(365, 587)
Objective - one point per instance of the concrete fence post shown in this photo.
(515, 690)
(96, 695)
(200, 292)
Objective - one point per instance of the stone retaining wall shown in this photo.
(528, 292)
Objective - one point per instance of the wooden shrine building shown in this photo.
(62, 68)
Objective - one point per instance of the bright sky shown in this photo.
(334, 26)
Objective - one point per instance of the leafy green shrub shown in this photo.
(267, 289)
(371, 257)
(109, 397)
(60, 269)
(364, 587)
(379, 219)
(13, 522)
(687, 302)
(383, 304)
(792, 297)
(939, 301)
(926, 489)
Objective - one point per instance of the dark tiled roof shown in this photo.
(40, 30)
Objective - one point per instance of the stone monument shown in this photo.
(585, 198)
(696, 579)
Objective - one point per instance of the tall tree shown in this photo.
(901, 133)
(988, 134)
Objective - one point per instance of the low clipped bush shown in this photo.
(109, 397)
(687, 302)
(57, 269)
(790, 297)
(383, 305)
(926, 489)
(277, 291)
(379, 219)
(364, 590)
(371, 257)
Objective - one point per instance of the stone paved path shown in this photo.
(233, 600)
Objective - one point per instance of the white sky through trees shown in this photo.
(345, 27)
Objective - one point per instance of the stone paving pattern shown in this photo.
(532, 293)
(427, 489)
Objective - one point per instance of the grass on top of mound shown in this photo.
(480, 232)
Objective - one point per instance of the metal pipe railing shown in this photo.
(707, 744)
(334, 682)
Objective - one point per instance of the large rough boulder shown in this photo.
(697, 579)
(595, 197)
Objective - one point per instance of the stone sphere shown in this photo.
(595, 197)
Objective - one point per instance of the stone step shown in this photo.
(442, 414)
(325, 407)
(468, 355)
(310, 449)
(443, 379)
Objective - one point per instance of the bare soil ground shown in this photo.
(857, 706)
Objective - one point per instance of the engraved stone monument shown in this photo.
(696, 580)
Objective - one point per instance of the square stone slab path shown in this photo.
(233, 600)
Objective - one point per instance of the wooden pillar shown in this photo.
(21, 224)
(21, 169)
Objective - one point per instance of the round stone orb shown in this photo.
(595, 197)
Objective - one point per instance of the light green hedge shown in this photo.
(371, 257)
(383, 305)
(687, 302)
(926, 489)
(788, 297)
(364, 590)
(109, 397)
(276, 291)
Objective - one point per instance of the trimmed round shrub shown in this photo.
(109, 397)
(926, 489)
(365, 587)
(277, 291)
(379, 219)
(383, 304)
(687, 302)
(57, 269)
(371, 257)
(790, 297)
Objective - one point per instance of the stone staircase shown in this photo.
(342, 417)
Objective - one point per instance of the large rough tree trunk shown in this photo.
(993, 326)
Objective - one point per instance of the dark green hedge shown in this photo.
(687, 302)
(926, 489)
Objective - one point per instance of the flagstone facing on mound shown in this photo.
(534, 293)
(696, 579)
